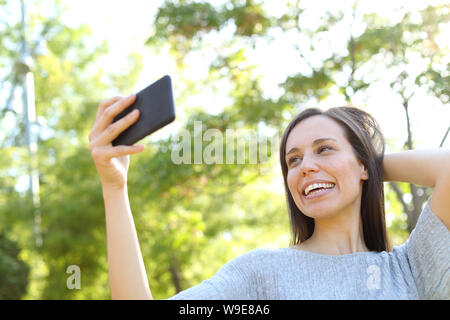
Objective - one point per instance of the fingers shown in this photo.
(107, 110)
(104, 131)
(104, 104)
(113, 130)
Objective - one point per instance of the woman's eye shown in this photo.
(324, 148)
(293, 159)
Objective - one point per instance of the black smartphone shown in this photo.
(157, 109)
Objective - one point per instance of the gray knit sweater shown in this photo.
(418, 269)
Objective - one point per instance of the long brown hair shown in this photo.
(364, 135)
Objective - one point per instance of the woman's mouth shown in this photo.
(317, 191)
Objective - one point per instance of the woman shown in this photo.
(333, 165)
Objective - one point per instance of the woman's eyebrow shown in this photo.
(320, 140)
(315, 142)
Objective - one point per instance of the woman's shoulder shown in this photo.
(428, 252)
(259, 254)
(259, 258)
(429, 230)
(295, 253)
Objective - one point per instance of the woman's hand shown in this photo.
(112, 162)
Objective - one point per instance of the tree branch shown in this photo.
(408, 122)
(352, 45)
(10, 98)
(299, 29)
(399, 195)
(445, 137)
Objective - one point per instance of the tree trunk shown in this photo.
(419, 194)
(176, 274)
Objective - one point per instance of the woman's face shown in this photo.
(318, 152)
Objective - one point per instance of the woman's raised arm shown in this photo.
(127, 276)
(429, 168)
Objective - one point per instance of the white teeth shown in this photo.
(317, 185)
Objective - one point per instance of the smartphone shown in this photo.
(157, 109)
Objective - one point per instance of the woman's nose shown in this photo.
(308, 165)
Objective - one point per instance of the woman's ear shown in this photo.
(364, 173)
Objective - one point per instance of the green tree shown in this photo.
(382, 45)
(68, 87)
(414, 37)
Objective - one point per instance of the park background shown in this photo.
(239, 64)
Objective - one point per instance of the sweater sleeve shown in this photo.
(428, 252)
(232, 282)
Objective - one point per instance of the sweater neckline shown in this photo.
(347, 255)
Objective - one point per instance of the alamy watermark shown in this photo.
(213, 146)
(74, 280)
(374, 280)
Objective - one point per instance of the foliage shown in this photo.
(68, 85)
(383, 45)
(14, 271)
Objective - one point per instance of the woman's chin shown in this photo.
(319, 209)
(320, 213)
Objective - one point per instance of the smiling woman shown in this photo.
(343, 148)
(333, 166)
